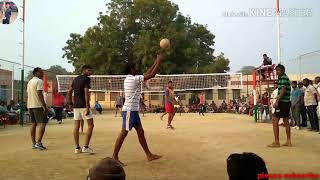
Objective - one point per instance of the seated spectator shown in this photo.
(12, 113)
(98, 107)
(243, 108)
(265, 67)
(51, 114)
(246, 166)
(224, 106)
(69, 111)
(11, 107)
(230, 107)
(107, 169)
(3, 109)
(214, 106)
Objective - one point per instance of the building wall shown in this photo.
(5, 85)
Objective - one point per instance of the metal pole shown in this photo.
(22, 105)
(12, 83)
(278, 32)
(247, 85)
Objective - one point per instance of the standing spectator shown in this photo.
(37, 108)
(251, 104)
(201, 104)
(295, 107)
(142, 104)
(98, 107)
(119, 104)
(303, 110)
(58, 103)
(282, 107)
(265, 104)
(310, 100)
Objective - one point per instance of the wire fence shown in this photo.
(11, 80)
(305, 65)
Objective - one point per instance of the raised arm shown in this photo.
(151, 72)
(151, 68)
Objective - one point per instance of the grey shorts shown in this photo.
(37, 115)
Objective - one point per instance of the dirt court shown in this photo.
(196, 150)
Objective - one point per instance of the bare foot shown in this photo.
(153, 157)
(274, 145)
(288, 144)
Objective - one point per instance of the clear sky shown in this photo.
(242, 39)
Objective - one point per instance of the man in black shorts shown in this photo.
(81, 108)
(282, 107)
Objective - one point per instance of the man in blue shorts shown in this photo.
(130, 109)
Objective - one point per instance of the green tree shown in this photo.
(246, 70)
(130, 30)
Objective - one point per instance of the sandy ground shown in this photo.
(196, 150)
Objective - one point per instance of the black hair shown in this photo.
(294, 82)
(280, 66)
(276, 82)
(246, 166)
(306, 79)
(264, 55)
(36, 70)
(169, 81)
(129, 67)
(84, 67)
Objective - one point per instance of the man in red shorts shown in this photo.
(169, 98)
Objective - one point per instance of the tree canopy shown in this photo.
(246, 70)
(130, 31)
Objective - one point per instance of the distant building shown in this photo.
(6, 87)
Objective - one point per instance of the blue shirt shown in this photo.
(97, 106)
(295, 95)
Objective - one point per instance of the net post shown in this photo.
(254, 84)
(22, 108)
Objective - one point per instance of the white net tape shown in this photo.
(182, 82)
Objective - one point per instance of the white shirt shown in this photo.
(132, 91)
(309, 98)
(318, 89)
(274, 96)
(34, 85)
